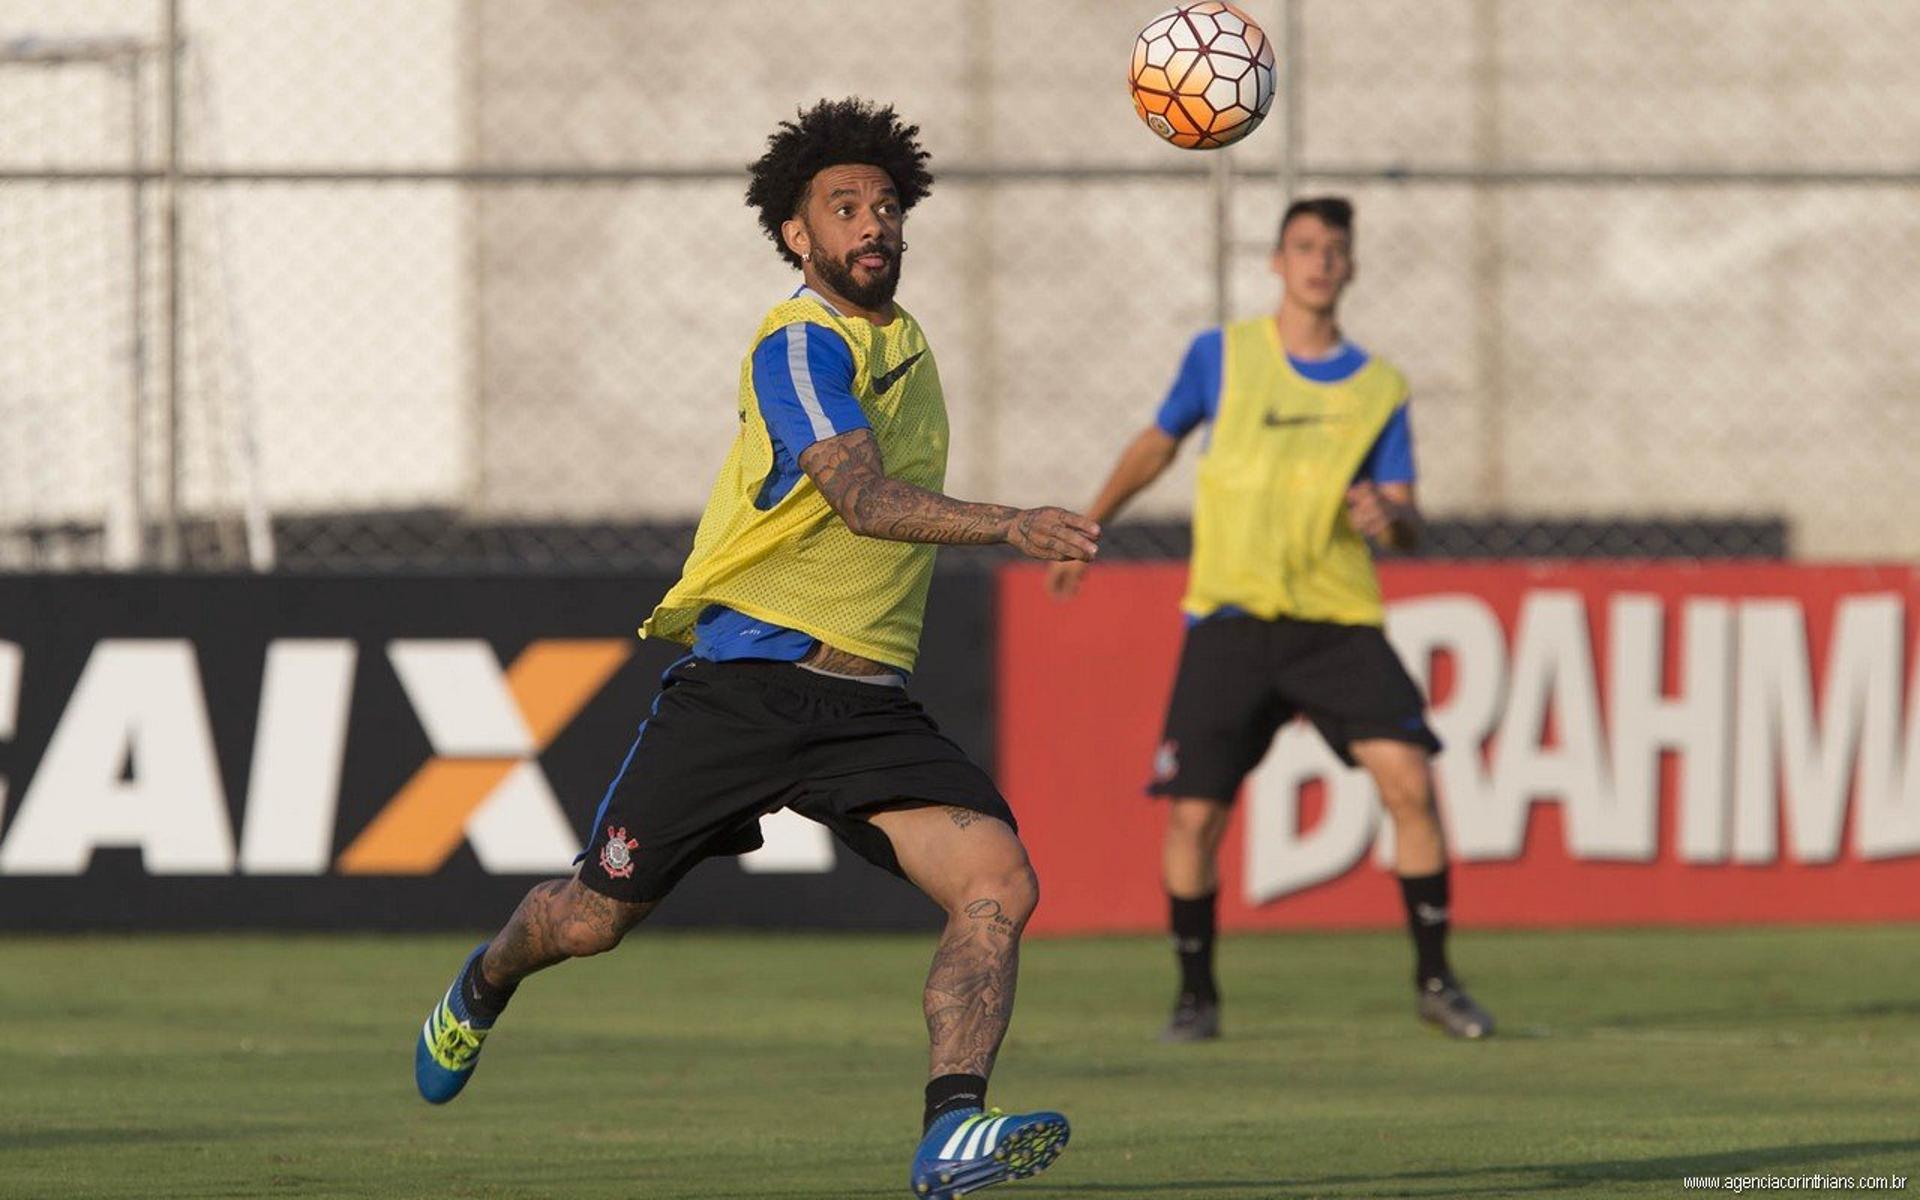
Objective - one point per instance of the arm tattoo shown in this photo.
(962, 817)
(848, 471)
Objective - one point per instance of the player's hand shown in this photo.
(1370, 513)
(1054, 534)
(1064, 578)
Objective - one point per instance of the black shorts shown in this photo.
(1242, 678)
(728, 743)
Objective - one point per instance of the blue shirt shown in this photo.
(803, 380)
(1194, 399)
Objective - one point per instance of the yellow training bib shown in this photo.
(1270, 528)
(796, 563)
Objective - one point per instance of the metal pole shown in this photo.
(169, 506)
(478, 384)
(983, 310)
(1187, 168)
(1289, 63)
(1222, 232)
(128, 548)
(1488, 262)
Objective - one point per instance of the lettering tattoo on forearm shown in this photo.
(969, 999)
(850, 474)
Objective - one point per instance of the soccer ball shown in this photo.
(1202, 75)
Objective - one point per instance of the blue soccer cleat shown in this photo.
(449, 1045)
(968, 1149)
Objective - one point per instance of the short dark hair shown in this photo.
(1335, 211)
(833, 133)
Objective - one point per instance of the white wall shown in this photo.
(571, 350)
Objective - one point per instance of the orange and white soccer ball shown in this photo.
(1202, 75)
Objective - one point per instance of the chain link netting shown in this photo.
(467, 284)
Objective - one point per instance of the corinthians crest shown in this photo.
(1166, 762)
(616, 857)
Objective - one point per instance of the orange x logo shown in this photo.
(487, 729)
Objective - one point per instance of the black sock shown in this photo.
(946, 1093)
(485, 1000)
(1426, 897)
(1193, 924)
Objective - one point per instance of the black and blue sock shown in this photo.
(485, 1000)
(949, 1093)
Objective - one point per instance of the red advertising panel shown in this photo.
(1640, 743)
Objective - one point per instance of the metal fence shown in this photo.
(355, 284)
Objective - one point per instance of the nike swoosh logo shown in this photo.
(1274, 420)
(882, 382)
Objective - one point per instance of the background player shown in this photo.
(1310, 453)
(802, 602)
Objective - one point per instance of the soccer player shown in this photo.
(1309, 454)
(802, 603)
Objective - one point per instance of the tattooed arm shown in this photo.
(848, 471)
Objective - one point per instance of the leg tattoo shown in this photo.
(969, 998)
(558, 920)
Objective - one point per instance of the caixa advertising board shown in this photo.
(1626, 744)
(371, 753)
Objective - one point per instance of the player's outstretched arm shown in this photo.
(1144, 460)
(850, 474)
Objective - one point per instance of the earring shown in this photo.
(903, 245)
(807, 257)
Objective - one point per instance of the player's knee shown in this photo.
(1013, 886)
(589, 924)
(1194, 820)
(1024, 886)
(1407, 797)
(1401, 776)
(581, 941)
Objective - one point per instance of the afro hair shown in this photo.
(830, 134)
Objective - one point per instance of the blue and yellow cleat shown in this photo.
(967, 1149)
(449, 1046)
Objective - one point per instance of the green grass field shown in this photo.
(690, 1066)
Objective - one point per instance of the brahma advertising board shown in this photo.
(1626, 744)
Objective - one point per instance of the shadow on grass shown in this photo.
(1745, 1016)
(1580, 1177)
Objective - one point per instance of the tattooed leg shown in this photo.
(969, 999)
(974, 867)
(558, 920)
